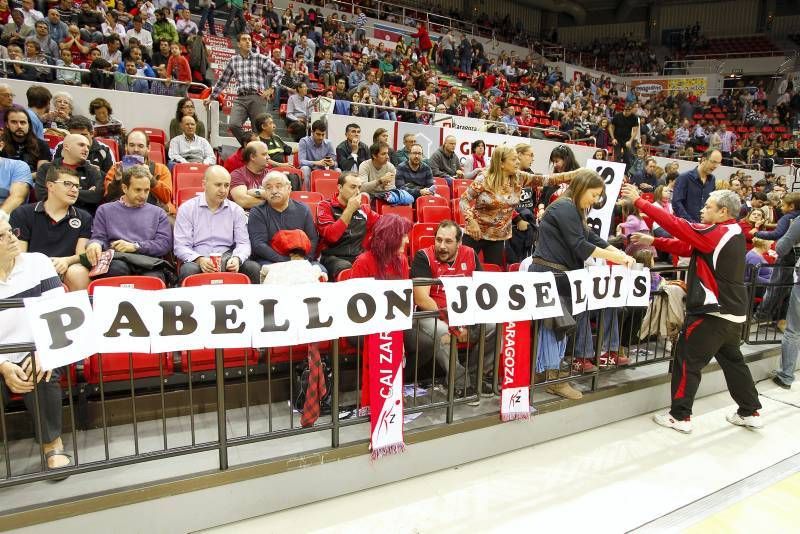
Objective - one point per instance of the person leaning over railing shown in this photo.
(565, 242)
(488, 204)
(29, 275)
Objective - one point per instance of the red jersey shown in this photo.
(462, 265)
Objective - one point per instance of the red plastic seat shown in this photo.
(157, 153)
(329, 187)
(307, 197)
(186, 193)
(188, 175)
(155, 135)
(346, 274)
(204, 359)
(422, 236)
(492, 268)
(112, 144)
(405, 212)
(434, 214)
(322, 174)
(430, 201)
(119, 366)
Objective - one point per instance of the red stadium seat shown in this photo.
(123, 365)
(186, 193)
(514, 267)
(204, 359)
(430, 201)
(188, 175)
(422, 235)
(112, 144)
(329, 187)
(346, 274)
(405, 212)
(155, 135)
(323, 174)
(434, 214)
(492, 268)
(307, 197)
(157, 153)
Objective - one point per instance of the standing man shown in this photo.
(74, 151)
(253, 72)
(444, 162)
(727, 141)
(692, 188)
(790, 344)
(211, 223)
(624, 130)
(56, 228)
(447, 257)
(716, 305)
(415, 176)
(344, 224)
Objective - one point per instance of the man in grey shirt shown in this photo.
(377, 173)
(790, 344)
(445, 163)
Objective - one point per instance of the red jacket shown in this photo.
(178, 69)
(334, 233)
(424, 38)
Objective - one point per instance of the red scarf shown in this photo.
(480, 162)
(515, 377)
(385, 354)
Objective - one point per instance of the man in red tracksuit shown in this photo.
(716, 305)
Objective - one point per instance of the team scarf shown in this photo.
(385, 379)
(516, 371)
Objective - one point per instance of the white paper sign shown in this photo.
(230, 327)
(184, 320)
(275, 316)
(54, 321)
(458, 292)
(545, 302)
(612, 172)
(639, 288)
(580, 287)
(120, 313)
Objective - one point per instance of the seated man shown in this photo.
(74, 151)
(15, 184)
(351, 152)
(138, 144)
(414, 175)
(99, 154)
(21, 143)
(279, 212)
(445, 163)
(377, 173)
(448, 257)
(29, 275)
(190, 148)
(646, 179)
(277, 150)
(132, 226)
(344, 224)
(316, 152)
(56, 228)
(246, 181)
(297, 111)
(210, 223)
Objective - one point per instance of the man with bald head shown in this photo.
(210, 224)
(73, 156)
(445, 162)
(190, 147)
(138, 144)
(246, 181)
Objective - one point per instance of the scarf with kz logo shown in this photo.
(385, 353)
(516, 371)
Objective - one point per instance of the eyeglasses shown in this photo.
(69, 185)
(416, 153)
(6, 236)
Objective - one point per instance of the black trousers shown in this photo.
(336, 264)
(492, 250)
(49, 394)
(705, 337)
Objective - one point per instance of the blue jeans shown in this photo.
(790, 345)
(466, 65)
(237, 14)
(584, 346)
(208, 15)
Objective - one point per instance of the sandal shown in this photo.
(59, 452)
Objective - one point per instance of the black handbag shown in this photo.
(563, 325)
(300, 386)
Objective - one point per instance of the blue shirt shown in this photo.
(12, 171)
(690, 194)
(36, 124)
(308, 152)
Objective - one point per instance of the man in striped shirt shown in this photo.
(256, 76)
(25, 275)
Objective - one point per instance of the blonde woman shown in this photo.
(489, 202)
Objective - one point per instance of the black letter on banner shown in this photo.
(639, 286)
(352, 308)
(313, 314)
(172, 317)
(223, 315)
(517, 297)
(596, 283)
(268, 305)
(127, 319)
(618, 286)
(58, 328)
(580, 297)
(393, 301)
(543, 298)
(462, 292)
(486, 304)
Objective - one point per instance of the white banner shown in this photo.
(639, 288)
(579, 289)
(56, 324)
(600, 216)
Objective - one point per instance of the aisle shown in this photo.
(611, 479)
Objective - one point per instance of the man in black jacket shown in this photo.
(74, 151)
(351, 152)
(716, 305)
(100, 155)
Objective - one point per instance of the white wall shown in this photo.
(738, 17)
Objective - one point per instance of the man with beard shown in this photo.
(447, 257)
(74, 151)
(55, 227)
(19, 142)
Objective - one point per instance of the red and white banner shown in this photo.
(516, 371)
(385, 353)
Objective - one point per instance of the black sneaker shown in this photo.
(487, 388)
(779, 382)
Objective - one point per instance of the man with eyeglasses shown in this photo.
(56, 228)
(414, 175)
(74, 151)
(29, 275)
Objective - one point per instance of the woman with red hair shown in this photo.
(385, 257)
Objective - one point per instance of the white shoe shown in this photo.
(665, 419)
(751, 421)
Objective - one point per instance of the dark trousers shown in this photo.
(249, 268)
(705, 337)
(624, 154)
(336, 264)
(492, 250)
(49, 394)
(207, 16)
(121, 268)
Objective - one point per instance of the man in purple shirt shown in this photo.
(132, 226)
(209, 224)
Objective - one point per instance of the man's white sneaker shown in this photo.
(750, 421)
(665, 419)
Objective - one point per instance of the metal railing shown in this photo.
(247, 396)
